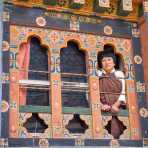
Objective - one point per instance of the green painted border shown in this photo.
(65, 110)
(76, 110)
(74, 5)
(34, 109)
(50, 2)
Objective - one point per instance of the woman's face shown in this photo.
(108, 64)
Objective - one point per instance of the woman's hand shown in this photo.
(105, 107)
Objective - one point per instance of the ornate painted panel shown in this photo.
(91, 44)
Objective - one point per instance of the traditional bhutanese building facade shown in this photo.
(49, 90)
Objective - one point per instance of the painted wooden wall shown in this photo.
(55, 30)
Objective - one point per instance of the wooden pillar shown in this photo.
(56, 103)
(143, 26)
(133, 110)
(14, 103)
(95, 99)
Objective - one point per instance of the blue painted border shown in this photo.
(30, 142)
(5, 69)
(139, 76)
(27, 16)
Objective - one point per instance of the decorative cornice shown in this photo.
(86, 8)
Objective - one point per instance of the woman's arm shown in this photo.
(120, 75)
(116, 105)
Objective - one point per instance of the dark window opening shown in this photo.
(38, 61)
(38, 70)
(77, 125)
(73, 69)
(73, 62)
(37, 97)
(35, 124)
(74, 99)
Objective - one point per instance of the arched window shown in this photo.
(74, 79)
(38, 61)
(35, 83)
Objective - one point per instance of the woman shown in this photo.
(112, 91)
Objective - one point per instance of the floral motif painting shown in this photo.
(104, 3)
